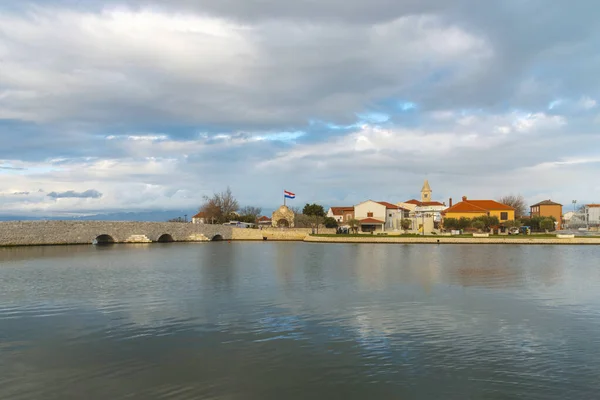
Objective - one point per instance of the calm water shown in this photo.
(300, 321)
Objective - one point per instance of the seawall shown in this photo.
(297, 234)
(450, 240)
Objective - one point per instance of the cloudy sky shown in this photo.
(149, 105)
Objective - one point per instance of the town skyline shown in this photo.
(147, 105)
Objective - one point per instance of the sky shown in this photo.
(142, 105)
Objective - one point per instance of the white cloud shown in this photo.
(587, 103)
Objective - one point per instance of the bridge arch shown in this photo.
(104, 239)
(165, 238)
(217, 238)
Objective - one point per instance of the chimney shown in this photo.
(450, 202)
(464, 198)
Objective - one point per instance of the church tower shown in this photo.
(426, 192)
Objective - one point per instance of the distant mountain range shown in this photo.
(153, 216)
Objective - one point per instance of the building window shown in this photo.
(370, 214)
(503, 216)
(390, 215)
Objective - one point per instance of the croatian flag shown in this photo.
(288, 195)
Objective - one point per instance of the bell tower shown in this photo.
(426, 192)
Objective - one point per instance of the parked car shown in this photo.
(513, 231)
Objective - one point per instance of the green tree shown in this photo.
(406, 224)
(513, 224)
(478, 224)
(464, 223)
(354, 225)
(330, 222)
(314, 209)
(316, 212)
(547, 224)
(487, 220)
(451, 224)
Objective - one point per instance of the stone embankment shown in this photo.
(449, 240)
(31, 233)
(297, 234)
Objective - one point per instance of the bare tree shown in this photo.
(249, 213)
(517, 202)
(220, 206)
(296, 210)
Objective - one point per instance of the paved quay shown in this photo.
(449, 240)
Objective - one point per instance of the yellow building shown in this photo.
(477, 208)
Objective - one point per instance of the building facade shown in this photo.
(199, 218)
(477, 208)
(426, 206)
(592, 215)
(548, 208)
(341, 214)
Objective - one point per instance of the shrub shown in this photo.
(547, 224)
(478, 224)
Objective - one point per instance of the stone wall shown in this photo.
(276, 233)
(448, 240)
(23, 233)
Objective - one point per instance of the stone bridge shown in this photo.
(24, 233)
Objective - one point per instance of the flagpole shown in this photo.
(284, 198)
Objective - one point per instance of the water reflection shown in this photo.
(255, 320)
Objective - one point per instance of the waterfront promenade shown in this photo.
(451, 240)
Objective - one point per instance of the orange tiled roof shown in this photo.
(593, 205)
(341, 210)
(264, 218)
(199, 215)
(371, 221)
(478, 206)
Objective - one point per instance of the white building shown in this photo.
(379, 216)
(592, 214)
(425, 206)
(341, 214)
(199, 218)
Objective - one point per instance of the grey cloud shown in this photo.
(291, 72)
(20, 193)
(276, 65)
(71, 194)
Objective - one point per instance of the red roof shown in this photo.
(478, 206)
(264, 219)
(593, 205)
(546, 203)
(341, 210)
(371, 221)
(390, 206)
(424, 203)
(199, 215)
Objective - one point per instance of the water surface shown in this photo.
(299, 320)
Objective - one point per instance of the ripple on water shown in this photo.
(257, 321)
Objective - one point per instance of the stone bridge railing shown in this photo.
(25, 233)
